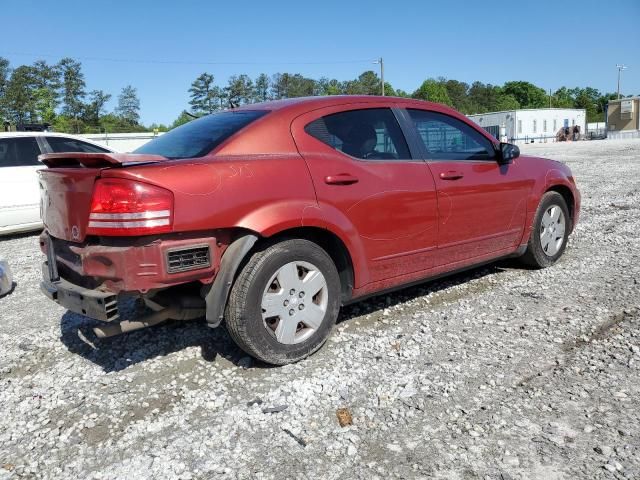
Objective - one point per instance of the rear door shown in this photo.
(19, 191)
(482, 204)
(367, 179)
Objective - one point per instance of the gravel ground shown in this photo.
(499, 373)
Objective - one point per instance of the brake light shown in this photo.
(121, 207)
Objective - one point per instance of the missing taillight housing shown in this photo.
(122, 207)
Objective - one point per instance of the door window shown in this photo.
(19, 152)
(65, 144)
(447, 138)
(370, 134)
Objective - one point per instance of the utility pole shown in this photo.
(381, 63)
(549, 98)
(620, 67)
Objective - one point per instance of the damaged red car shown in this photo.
(271, 216)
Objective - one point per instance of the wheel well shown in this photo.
(567, 195)
(334, 247)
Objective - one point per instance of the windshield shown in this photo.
(199, 137)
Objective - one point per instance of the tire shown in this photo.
(549, 236)
(270, 315)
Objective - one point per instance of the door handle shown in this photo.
(340, 179)
(451, 175)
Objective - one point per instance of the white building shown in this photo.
(531, 125)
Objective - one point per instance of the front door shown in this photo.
(482, 204)
(366, 177)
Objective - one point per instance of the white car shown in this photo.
(19, 188)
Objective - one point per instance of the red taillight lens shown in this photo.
(127, 207)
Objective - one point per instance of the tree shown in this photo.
(527, 94)
(389, 90)
(261, 88)
(458, 94)
(205, 95)
(183, 118)
(45, 105)
(19, 98)
(5, 73)
(369, 83)
(46, 84)
(95, 108)
(47, 76)
(239, 90)
(326, 86)
(562, 98)
(129, 105)
(161, 127)
(73, 86)
(587, 98)
(287, 85)
(433, 91)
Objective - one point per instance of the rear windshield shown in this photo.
(199, 137)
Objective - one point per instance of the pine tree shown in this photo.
(19, 98)
(73, 86)
(261, 88)
(129, 105)
(205, 96)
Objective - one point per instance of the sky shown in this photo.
(160, 47)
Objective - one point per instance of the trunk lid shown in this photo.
(66, 188)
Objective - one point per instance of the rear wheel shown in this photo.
(284, 302)
(550, 232)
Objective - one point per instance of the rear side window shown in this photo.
(371, 134)
(199, 137)
(19, 152)
(447, 138)
(63, 145)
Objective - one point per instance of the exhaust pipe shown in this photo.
(125, 326)
(187, 308)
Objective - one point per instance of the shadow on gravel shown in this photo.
(120, 352)
(426, 288)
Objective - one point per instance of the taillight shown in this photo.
(127, 207)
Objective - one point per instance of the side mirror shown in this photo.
(507, 153)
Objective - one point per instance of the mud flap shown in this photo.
(217, 296)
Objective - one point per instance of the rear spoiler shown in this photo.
(96, 160)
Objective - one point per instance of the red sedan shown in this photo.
(272, 216)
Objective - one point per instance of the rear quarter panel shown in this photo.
(264, 193)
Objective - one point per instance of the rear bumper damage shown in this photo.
(99, 304)
(88, 279)
(135, 266)
(103, 305)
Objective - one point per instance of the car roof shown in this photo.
(38, 134)
(260, 136)
(53, 134)
(330, 100)
(292, 107)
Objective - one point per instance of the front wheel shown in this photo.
(284, 302)
(550, 232)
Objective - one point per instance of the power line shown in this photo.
(182, 62)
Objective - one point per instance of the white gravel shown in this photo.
(500, 373)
